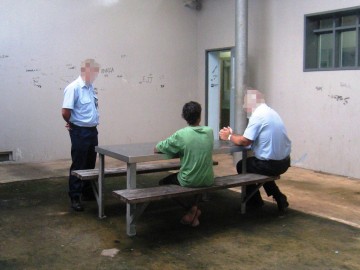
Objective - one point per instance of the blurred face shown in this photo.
(252, 100)
(89, 71)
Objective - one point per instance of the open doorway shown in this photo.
(219, 89)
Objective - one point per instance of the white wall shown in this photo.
(216, 30)
(324, 131)
(43, 42)
(147, 52)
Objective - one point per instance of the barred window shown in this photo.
(332, 40)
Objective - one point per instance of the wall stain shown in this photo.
(346, 85)
(300, 160)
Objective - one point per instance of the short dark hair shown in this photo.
(191, 112)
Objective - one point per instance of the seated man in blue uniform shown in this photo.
(269, 141)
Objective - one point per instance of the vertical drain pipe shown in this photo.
(241, 49)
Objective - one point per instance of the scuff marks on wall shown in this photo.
(299, 160)
(342, 99)
(70, 66)
(345, 85)
(339, 98)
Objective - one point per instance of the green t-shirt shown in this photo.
(194, 146)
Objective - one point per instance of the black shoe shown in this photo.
(76, 205)
(88, 197)
(282, 202)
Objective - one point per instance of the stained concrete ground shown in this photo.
(321, 229)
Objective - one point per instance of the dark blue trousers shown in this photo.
(83, 155)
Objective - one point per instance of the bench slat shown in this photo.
(141, 195)
(141, 168)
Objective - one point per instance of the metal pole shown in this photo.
(241, 40)
(241, 48)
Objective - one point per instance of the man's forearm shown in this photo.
(66, 114)
(240, 140)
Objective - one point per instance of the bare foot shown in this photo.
(192, 217)
(196, 221)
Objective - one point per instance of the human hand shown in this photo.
(67, 126)
(224, 133)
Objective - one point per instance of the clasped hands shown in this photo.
(225, 132)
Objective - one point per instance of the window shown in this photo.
(332, 40)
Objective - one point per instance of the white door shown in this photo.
(220, 90)
(213, 90)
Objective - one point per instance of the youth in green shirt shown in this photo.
(194, 145)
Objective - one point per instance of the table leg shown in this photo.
(243, 200)
(101, 185)
(246, 197)
(244, 157)
(131, 208)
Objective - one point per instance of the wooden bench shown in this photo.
(141, 197)
(141, 168)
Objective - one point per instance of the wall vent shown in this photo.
(6, 156)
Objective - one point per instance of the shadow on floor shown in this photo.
(38, 231)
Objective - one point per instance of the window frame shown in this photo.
(312, 31)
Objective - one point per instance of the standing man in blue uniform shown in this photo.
(80, 111)
(269, 141)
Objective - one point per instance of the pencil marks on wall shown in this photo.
(120, 75)
(214, 79)
(147, 79)
(36, 82)
(336, 97)
(106, 71)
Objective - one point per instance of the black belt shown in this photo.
(76, 126)
(276, 160)
(281, 160)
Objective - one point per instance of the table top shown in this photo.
(142, 152)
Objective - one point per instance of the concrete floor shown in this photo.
(321, 229)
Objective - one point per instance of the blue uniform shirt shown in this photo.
(268, 133)
(82, 101)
